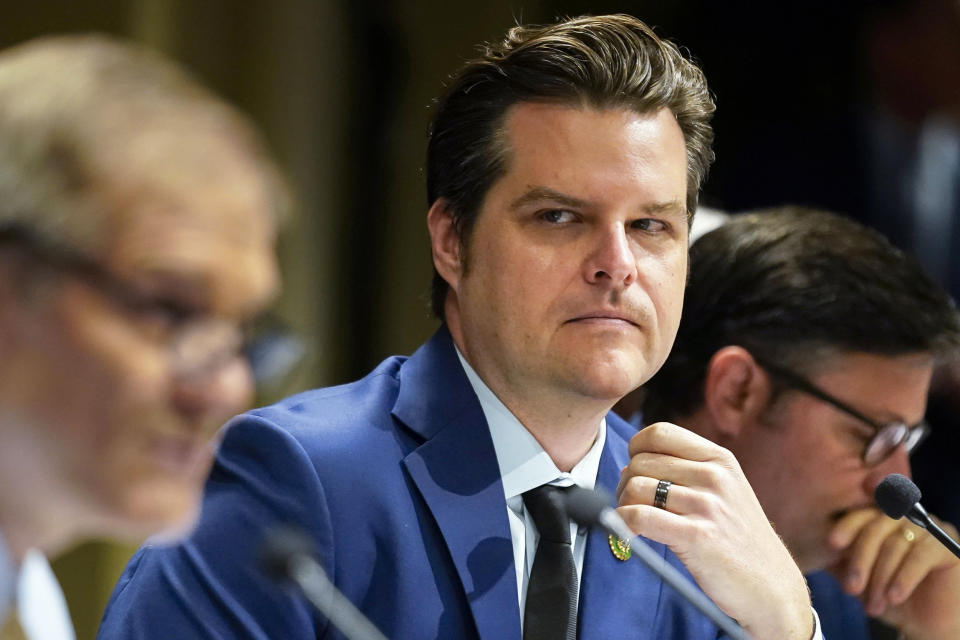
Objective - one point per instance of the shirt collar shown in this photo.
(8, 577)
(40, 601)
(523, 463)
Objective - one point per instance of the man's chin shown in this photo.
(816, 554)
(175, 530)
(823, 560)
(611, 378)
(607, 391)
(163, 514)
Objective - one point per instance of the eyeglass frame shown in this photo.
(879, 447)
(250, 340)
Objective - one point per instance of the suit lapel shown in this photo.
(616, 595)
(456, 473)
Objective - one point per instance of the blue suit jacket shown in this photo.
(841, 615)
(396, 479)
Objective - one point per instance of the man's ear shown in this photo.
(736, 391)
(445, 243)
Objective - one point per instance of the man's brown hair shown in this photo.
(613, 61)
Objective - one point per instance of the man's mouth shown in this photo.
(605, 317)
(180, 454)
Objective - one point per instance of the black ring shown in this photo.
(660, 497)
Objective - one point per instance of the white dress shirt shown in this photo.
(8, 579)
(524, 465)
(39, 600)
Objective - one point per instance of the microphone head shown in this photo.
(896, 495)
(585, 506)
(280, 547)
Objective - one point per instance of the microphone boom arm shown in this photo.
(919, 516)
(610, 521)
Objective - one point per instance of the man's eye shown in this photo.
(165, 314)
(648, 224)
(558, 216)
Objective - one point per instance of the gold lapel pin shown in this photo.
(620, 548)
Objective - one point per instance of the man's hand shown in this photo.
(714, 523)
(901, 573)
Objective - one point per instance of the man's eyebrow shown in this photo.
(666, 208)
(540, 194)
(187, 288)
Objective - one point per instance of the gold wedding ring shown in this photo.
(908, 535)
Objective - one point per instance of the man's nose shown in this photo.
(612, 259)
(215, 395)
(897, 462)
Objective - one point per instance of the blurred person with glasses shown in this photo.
(806, 347)
(137, 224)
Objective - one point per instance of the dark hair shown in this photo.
(792, 286)
(603, 61)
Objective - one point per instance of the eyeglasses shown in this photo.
(198, 345)
(886, 437)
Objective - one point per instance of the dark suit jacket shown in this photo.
(396, 479)
(841, 615)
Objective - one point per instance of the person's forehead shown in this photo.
(885, 387)
(574, 141)
(214, 239)
(860, 365)
(559, 118)
(610, 158)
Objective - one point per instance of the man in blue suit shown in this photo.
(563, 168)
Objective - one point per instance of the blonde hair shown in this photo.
(74, 109)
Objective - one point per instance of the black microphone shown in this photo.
(590, 509)
(897, 496)
(287, 554)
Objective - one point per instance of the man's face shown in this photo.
(575, 270)
(101, 415)
(804, 458)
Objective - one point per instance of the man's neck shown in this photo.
(566, 436)
(25, 529)
(566, 428)
(17, 534)
(36, 513)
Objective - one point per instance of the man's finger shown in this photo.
(864, 553)
(849, 526)
(893, 552)
(667, 438)
(652, 523)
(690, 473)
(926, 555)
(677, 498)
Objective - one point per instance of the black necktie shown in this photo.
(551, 609)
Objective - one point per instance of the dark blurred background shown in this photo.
(852, 106)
